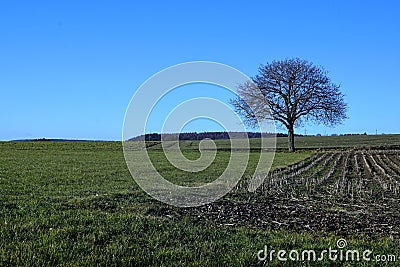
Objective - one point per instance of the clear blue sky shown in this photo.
(69, 68)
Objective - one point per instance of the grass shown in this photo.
(75, 204)
(218, 166)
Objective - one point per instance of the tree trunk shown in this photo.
(291, 138)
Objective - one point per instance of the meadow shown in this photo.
(76, 204)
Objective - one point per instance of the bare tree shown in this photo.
(292, 92)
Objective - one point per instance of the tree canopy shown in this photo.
(291, 92)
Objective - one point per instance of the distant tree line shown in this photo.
(203, 135)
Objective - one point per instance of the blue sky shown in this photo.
(69, 68)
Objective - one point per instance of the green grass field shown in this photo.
(75, 204)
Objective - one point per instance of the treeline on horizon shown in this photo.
(203, 135)
(216, 136)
